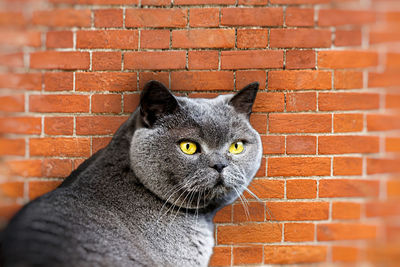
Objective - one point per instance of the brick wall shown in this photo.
(71, 72)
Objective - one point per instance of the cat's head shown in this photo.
(195, 152)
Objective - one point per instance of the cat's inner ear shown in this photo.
(156, 101)
(243, 100)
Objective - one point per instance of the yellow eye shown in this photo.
(236, 148)
(188, 147)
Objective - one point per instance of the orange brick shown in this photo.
(247, 255)
(348, 123)
(59, 39)
(249, 233)
(345, 231)
(345, 254)
(204, 17)
(385, 79)
(392, 144)
(273, 144)
(11, 60)
(96, 125)
(346, 210)
(64, 147)
(204, 2)
(245, 77)
(253, 2)
(266, 189)
(250, 211)
(203, 60)
(300, 17)
(382, 122)
(62, 18)
(254, 59)
(59, 168)
(16, 103)
(155, 2)
(224, 215)
(299, 211)
(393, 189)
(299, 123)
(301, 38)
(335, 17)
(195, 81)
(300, 59)
(98, 2)
(106, 103)
(154, 39)
(105, 81)
(262, 169)
(347, 166)
(296, 166)
(59, 103)
(59, 125)
(348, 188)
(155, 60)
(347, 59)
(12, 189)
(145, 77)
(221, 256)
(20, 125)
(348, 101)
(156, 18)
(259, 122)
(131, 102)
(106, 60)
(348, 144)
(301, 101)
(385, 209)
(7, 211)
(348, 79)
(12, 147)
(108, 18)
(393, 61)
(252, 38)
(261, 16)
(24, 168)
(24, 81)
(58, 81)
(38, 188)
(302, 188)
(99, 143)
(294, 254)
(269, 102)
(392, 101)
(111, 39)
(348, 38)
(299, 80)
(299, 232)
(301, 144)
(383, 165)
(66, 60)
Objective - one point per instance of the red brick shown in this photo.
(156, 18)
(204, 17)
(12, 146)
(108, 18)
(20, 125)
(382, 122)
(301, 188)
(347, 59)
(221, 256)
(224, 215)
(300, 123)
(300, 59)
(106, 81)
(58, 81)
(12, 60)
(59, 39)
(245, 77)
(154, 39)
(345, 254)
(203, 38)
(194, 81)
(20, 38)
(261, 16)
(347, 101)
(155, 60)
(335, 17)
(59, 125)
(301, 101)
(392, 144)
(252, 38)
(59, 103)
(7, 211)
(14, 103)
(385, 79)
(60, 60)
(273, 144)
(106, 60)
(204, 2)
(294, 254)
(262, 169)
(62, 18)
(38, 188)
(63, 147)
(296, 166)
(345, 231)
(348, 38)
(393, 189)
(249, 233)
(300, 17)
(302, 38)
(96, 125)
(24, 81)
(99, 143)
(24, 168)
(56, 167)
(98, 2)
(347, 166)
(299, 80)
(393, 61)
(343, 123)
(348, 188)
(249, 211)
(266, 189)
(299, 211)
(11, 189)
(382, 209)
(348, 79)
(131, 102)
(301, 145)
(269, 102)
(253, 2)
(247, 255)
(110, 39)
(346, 210)
(383, 165)
(348, 144)
(392, 101)
(9, 19)
(203, 60)
(251, 59)
(299, 232)
(106, 103)
(145, 77)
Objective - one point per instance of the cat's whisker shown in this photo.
(244, 206)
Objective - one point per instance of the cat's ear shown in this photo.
(243, 100)
(156, 101)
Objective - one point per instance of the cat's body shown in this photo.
(127, 204)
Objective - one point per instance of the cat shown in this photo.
(150, 196)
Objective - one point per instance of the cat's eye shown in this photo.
(236, 147)
(188, 147)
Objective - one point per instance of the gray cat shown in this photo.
(149, 197)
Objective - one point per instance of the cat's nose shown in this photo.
(219, 167)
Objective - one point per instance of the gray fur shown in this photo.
(141, 201)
